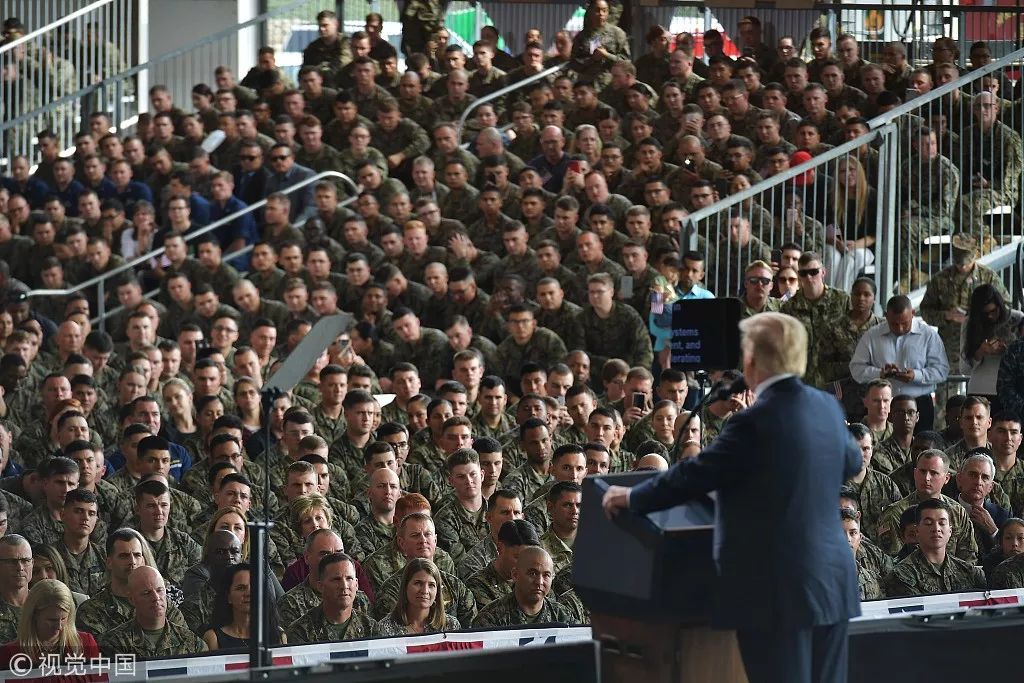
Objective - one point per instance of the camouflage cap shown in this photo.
(962, 242)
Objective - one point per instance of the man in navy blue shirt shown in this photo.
(552, 161)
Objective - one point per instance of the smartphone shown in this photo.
(575, 166)
(688, 164)
(639, 399)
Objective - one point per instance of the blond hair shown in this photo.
(776, 342)
(304, 505)
(45, 594)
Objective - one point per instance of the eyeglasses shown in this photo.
(280, 157)
(400, 445)
(787, 280)
(762, 281)
(809, 272)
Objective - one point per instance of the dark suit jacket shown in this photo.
(987, 542)
(783, 560)
(251, 190)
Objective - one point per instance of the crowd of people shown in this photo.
(511, 291)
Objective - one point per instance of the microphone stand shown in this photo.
(702, 381)
(260, 657)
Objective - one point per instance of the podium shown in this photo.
(647, 581)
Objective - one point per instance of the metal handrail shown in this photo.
(100, 280)
(501, 92)
(97, 320)
(933, 95)
(775, 180)
(7, 47)
(112, 81)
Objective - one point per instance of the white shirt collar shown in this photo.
(774, 379)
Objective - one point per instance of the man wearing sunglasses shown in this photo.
(818, 307)
(285, 173)
(757, 288)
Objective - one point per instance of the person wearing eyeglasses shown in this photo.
(818, 307)
(15, 573)
(285, 172)
(992, 170)
(757, 289)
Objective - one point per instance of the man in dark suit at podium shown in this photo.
(786, 579)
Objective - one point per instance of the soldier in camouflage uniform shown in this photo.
(459, 527)
(936, 463)
(385, 562)
(521, 607)
(174, 550)
(948, 294)
(335, 618)
(420, 20)
(458, 601)
(494, 581)
(377, 529)
(895, 451)
(331, 50)
(85, 561)
(152, 632)
(526, 343)
(929, 192)
(867, 580)
(563, 505)
(1009, 573)
(874, 491)
(15, 572)
(598, 46)
(818, 307)
(930, 569)
(304, 597)
(615, 330)
(994, 166)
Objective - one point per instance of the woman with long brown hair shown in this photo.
(420, 607)
(850, 235)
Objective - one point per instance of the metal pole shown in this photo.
(886, 273)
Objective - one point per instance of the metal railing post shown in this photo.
(101, 304)
(887, 274)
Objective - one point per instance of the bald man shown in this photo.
(652, 462)
(222, 550)
(378, 528)
(529, 602)
(149, 634)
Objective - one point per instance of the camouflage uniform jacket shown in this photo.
(372, 535)
(544, 348)
(175, 553)
(129, 638)
(566, 323)
(868, 585)
(382, 564)
(875, 493)
(914, 575)
(9, 616)
(302, 599)
(837, 344)
(817, 317)
(487, 585)
(870, 557)
(389, 627)
(951, 289)
(409, 139)
(561, 552)
(621, 335)
(478, 557)
(87, 572)
(458, 601)
(313, 627)
(1009, 573)
(962, 543)
(525, 481)
(889, 456)
(459, 529)
(429, 355)
(507, 612)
